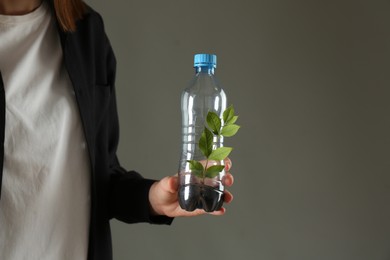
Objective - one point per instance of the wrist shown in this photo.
(153, 204)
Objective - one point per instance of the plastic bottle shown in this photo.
(203, 94)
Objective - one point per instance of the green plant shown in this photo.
(214, 128)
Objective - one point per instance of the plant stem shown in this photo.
(204, 171)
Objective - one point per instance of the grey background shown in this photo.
(311, 83)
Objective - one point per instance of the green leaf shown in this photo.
(214, 122)
(228, 114)
(232, 120)
(196, 168)
(220, 153)
(213, 171)
(206, 142)
(229, 130)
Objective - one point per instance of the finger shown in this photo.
(209, 163)
(174, 183)
(228, 179)
(219, 212)
(228, 197)
(228, 164)
(199, 212)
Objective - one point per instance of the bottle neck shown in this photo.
(205, 69)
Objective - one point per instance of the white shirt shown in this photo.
(45, 200)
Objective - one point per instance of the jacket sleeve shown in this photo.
(129, 191)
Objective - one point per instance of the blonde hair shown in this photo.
(68, 12)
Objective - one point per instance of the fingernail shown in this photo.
(227, 166)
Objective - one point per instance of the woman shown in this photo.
(61, 179)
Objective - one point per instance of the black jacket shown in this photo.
(115, 193)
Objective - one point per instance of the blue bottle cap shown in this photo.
(208, 60)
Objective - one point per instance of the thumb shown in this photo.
(170, 184)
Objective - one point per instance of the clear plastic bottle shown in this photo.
(203, 94)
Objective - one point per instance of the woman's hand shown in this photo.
(163, 196)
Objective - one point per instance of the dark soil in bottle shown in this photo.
(198, 196)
